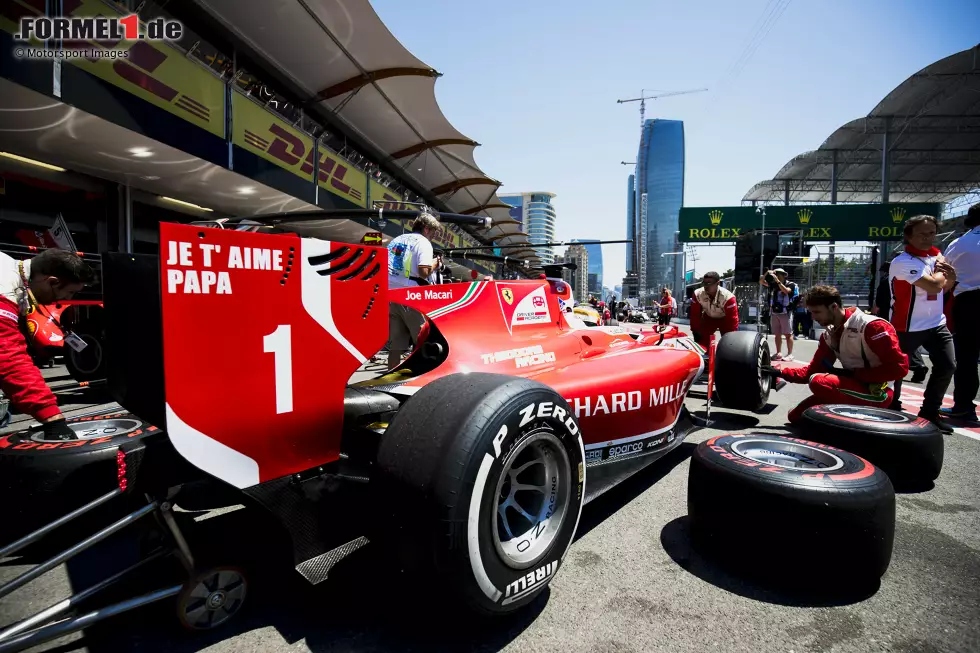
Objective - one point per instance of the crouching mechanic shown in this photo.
(714, 309)
(866, 346)
(51, 276)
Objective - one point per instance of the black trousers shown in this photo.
(938, 342)
(966, 321)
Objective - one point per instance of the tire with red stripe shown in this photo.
(41, 480)
(765, 503)
(909, 449)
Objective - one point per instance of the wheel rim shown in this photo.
(213, 599)
(789, 455)
(765, 381)
(95, 429)
(869, 414)
(533, 494)
(89, 359)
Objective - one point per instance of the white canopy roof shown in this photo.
(345, 59)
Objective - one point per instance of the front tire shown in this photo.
(484, 481)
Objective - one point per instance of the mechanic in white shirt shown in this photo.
(409, 264)
(964, 255)
(918, 276)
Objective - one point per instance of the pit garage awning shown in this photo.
(931, 124)
(342, 56)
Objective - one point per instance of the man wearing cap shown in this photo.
(783, 297)
(714, 308)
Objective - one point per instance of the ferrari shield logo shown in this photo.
(508, 295)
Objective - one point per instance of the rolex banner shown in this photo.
(705, 224)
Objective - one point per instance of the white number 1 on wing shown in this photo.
(279, 344)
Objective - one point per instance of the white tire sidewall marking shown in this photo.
(473, 518)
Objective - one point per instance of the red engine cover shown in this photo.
(261, 333)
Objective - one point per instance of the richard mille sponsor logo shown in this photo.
(619, 402)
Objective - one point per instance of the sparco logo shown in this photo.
(100, 28)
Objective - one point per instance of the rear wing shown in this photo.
(241, 344)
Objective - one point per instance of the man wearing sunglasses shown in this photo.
(714, 309)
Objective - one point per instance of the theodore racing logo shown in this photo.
(99, 28)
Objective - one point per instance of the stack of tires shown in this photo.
(755, 499)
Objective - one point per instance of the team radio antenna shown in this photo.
(643, 99)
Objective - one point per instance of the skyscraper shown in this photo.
(658, 197)
(630, 220)
(537, 218)
(595, 264)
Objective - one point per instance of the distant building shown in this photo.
(630, 221)
(658, 197)
(578, 279)
(595, 264)
(631, 286)
(537, 217)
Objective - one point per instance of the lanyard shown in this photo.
(32, 303)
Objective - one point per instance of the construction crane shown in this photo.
(643, 100)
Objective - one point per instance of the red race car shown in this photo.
(473, 457)
(46, 328)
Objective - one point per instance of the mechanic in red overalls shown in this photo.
(51, 276)
(866, 346)
(714, 308)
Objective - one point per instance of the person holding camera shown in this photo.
(784, 295)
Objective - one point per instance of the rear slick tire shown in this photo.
(758, 499)
(458, 460)
(739, 380)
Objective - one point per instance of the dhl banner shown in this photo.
(383, 196)
(263, 133)
(341, 178)
(153, 71)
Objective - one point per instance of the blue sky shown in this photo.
(537, 82)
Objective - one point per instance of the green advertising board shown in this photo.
(713, 224)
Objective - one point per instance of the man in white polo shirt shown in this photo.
(918, 276)
(964, 255)
(409, 264)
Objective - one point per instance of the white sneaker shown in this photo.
(777, 357)
(789, 358)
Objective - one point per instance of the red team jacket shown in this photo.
(726, 324)
(20, 379)
(894, 363)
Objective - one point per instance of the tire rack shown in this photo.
(57, 620)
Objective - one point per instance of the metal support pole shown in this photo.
(786, 193)
(126, 213)
(762, 262)
(885, 171)
(833, 200)
(72, 601)
(30, 538)
(70, 552)
(73, 625)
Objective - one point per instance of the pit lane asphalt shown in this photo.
(630, 583)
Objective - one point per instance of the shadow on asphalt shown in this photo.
(676, 540)
(366, 604)
(612, 501)
(723, 420)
